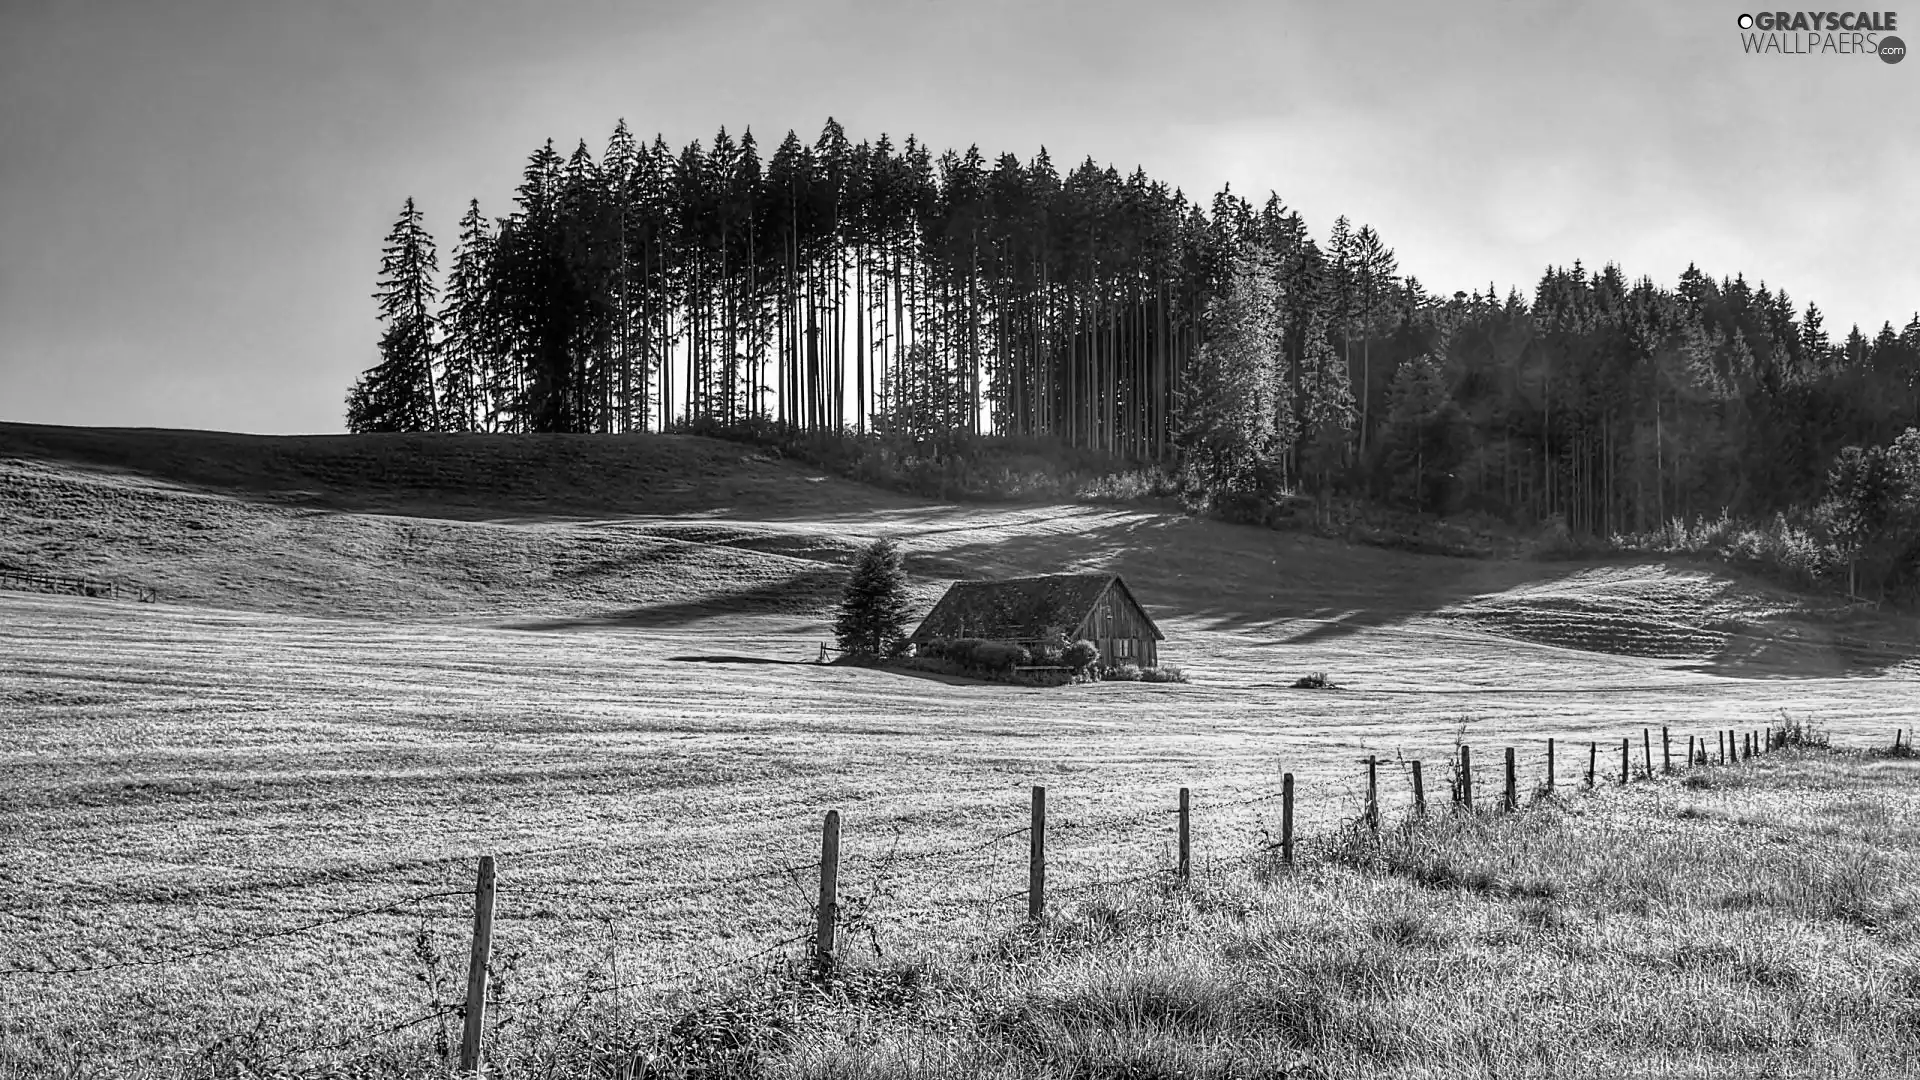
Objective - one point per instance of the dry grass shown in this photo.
(229, 762)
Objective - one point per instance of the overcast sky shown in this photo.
(193, 194)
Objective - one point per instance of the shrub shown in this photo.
(935, 649)
(961, 650)
(1080, 655)
(1163, 674)
(999, 656)
(1125, 671)
(1800, 734)
(1052, 643)
(1316, 681)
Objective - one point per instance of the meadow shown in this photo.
(369, 665)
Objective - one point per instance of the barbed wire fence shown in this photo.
(838, 920)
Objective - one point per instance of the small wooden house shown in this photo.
(1094, 607)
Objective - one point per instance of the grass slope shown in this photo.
(581, 531)
(522, 680)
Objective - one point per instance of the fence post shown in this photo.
(1720, 740)
(1513, 799)
(1466, 776)
(1419, 792)
(1626, 748)
(1593, 764)
(1186, 849)
(1646, 747)
(1373, 793)
(829, 909)
(1666, 750)
(1690, 761)
(1037, 856)
(476, 1011)
(1550, 782)
(1286, 819)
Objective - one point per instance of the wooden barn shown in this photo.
(1094, 607)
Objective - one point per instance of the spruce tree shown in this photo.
(874, 609)
(471, 349)
(398, 394)
(1326, 408)
(1422, 438)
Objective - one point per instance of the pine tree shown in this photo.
(398, 394)
(874, 608)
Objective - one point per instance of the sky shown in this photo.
(193, 194)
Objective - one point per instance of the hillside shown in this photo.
(350, 687)
(558, 532)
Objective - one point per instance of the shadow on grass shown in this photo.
(807, 591)
(1285, 588)
(733, 660)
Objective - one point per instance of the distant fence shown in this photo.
(106, 588)
(827, 924)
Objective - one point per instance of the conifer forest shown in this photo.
(942, 300)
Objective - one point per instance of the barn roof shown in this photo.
(1021, 609)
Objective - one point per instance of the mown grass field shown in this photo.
(360, 677)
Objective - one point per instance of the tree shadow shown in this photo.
(804, 592)
(1241, 577)
(1803, 651)
(733, 660)
(1297, 589)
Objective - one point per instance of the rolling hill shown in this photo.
(654, 530)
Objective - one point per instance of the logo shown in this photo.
(1807, 33)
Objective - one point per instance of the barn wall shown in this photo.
(1120, 629)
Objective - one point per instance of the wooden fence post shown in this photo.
(1626, 748)
(1666, 750)
(1466, 776)
(1513, 797)
(1550, 781)
(1186, 849)
(1373, 793)
(1720, 740)
(476, 1011)
(1690, 761)
(1037, 856)
(1419, 792)
(828, 912)
(1286, 819)
(1646, 747)
(1593, 764)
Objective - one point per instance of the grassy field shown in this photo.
(374, 660)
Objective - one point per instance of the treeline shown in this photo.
(868, 290)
